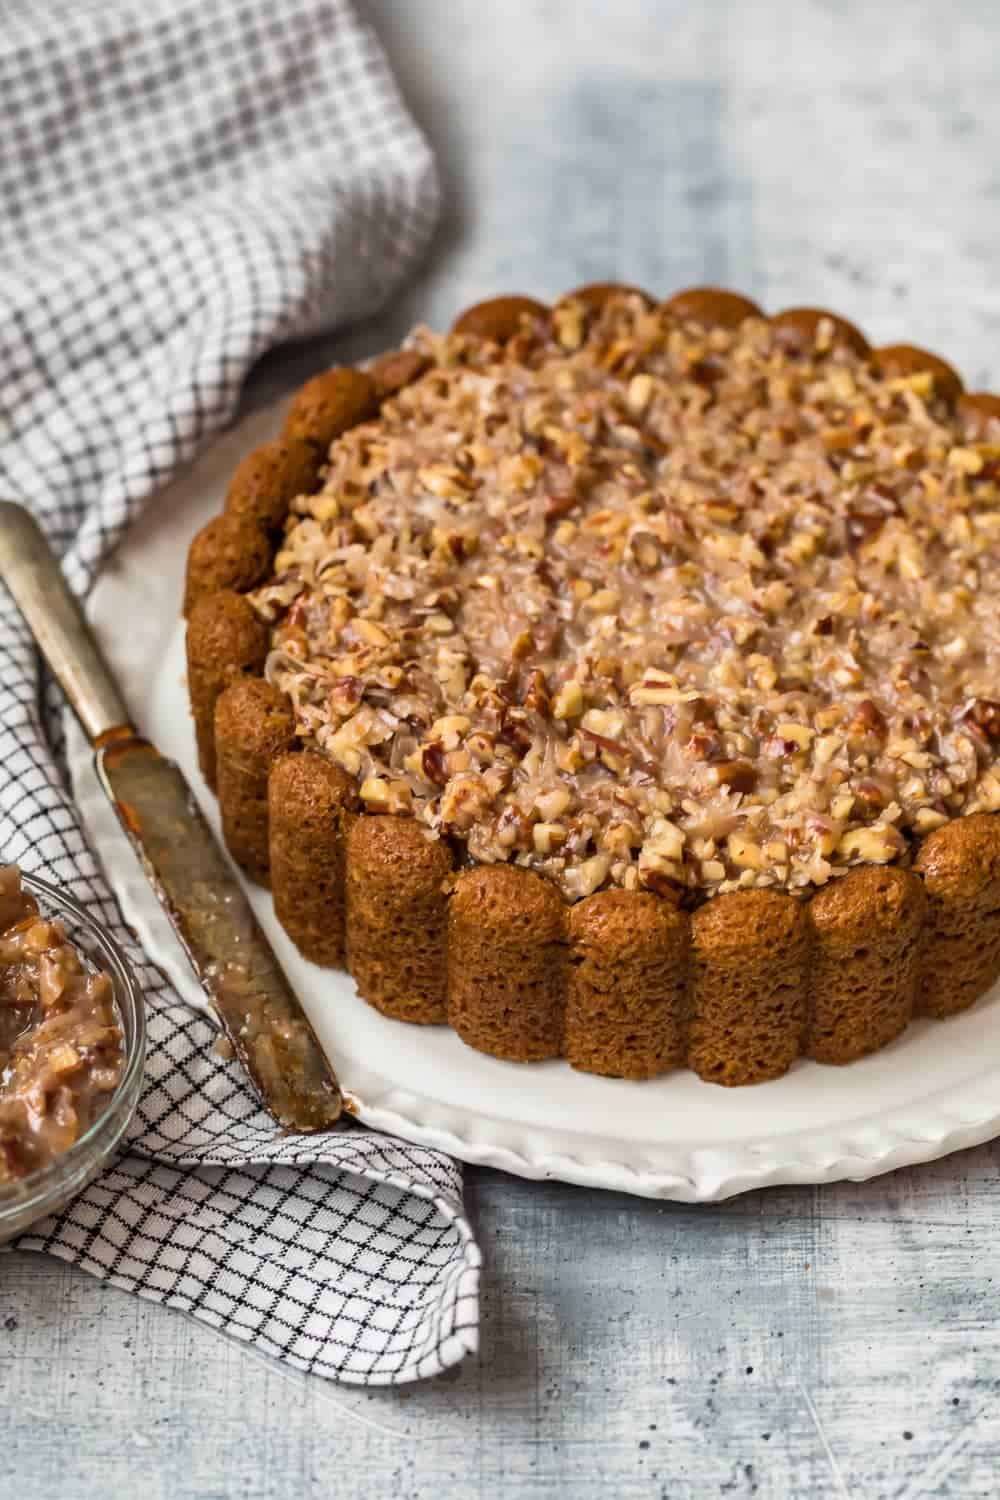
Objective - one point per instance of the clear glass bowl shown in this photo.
(50, 1188)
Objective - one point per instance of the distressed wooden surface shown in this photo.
(835, 1341)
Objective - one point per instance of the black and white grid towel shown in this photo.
(183, 185)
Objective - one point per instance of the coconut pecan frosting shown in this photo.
(634, 602)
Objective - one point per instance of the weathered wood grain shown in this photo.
(814, 1342)
(782, 1344)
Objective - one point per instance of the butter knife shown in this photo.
(258, 1009)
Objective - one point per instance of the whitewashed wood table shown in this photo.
(836, 1341)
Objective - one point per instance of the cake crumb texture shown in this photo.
(225, 639)
(960, 866)
(866, 932)
(229, 552)
(253, 726)
(507, 963)
(268, 480)
(310, 803)
(626, 1013)
(748, 986)
(329, 404)
(397, 917)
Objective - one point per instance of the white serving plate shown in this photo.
(935, 1090)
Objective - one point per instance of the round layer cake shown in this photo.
(663, 630)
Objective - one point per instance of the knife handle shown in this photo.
(29, 568)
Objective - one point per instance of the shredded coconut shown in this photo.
(635, 603)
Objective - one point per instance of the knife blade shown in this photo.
(259, 1011)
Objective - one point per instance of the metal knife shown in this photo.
(196, 887)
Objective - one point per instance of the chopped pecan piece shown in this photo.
(660, 884)
(872, 794)
(867, 723)
(865, 518)
(559, 505)
(435, 763)
(537, 696)
(647, 550)
(515, 735)
(737, 775)
(983, 716)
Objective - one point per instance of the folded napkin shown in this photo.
(186, 184)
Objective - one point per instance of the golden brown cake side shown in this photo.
(800, 326)
(225, 639)
(712, 306)
(980, 414)
(500, 318)
(866, 931)
(507, 962)
(253, 726)
(329, 404)
(229, 552)
(268, 480)
(626, 1007)
(960, 868)
(310, 803)
(902, 360)
(397, 917)
(391, 372)
(749, 952)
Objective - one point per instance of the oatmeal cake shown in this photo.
(635, 660)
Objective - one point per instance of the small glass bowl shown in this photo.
(48, 1190)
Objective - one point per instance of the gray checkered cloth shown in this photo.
(184, 185)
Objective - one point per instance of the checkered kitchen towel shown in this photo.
(183, 185)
